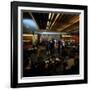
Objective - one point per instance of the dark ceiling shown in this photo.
(58, 22)
(41, 19)
(27, 15)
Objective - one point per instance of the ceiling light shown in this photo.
(49, 16)
(47, 23)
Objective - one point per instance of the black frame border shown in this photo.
(14, 43)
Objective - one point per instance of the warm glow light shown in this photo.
(46, 27)
(47, 23)
(27, 34)
(49, 16)
(55, 19)
(26, 40)
(52, 16)
(66, 36)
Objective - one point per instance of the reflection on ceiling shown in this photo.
(50, 22)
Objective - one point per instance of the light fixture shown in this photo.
(47, 23)
(49, 16)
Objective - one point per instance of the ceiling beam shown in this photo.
(68, 25)
(34, 19)
(56, 18)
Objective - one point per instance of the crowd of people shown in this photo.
(51, 57)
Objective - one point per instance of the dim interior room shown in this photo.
(48, 38)
(43, 25)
